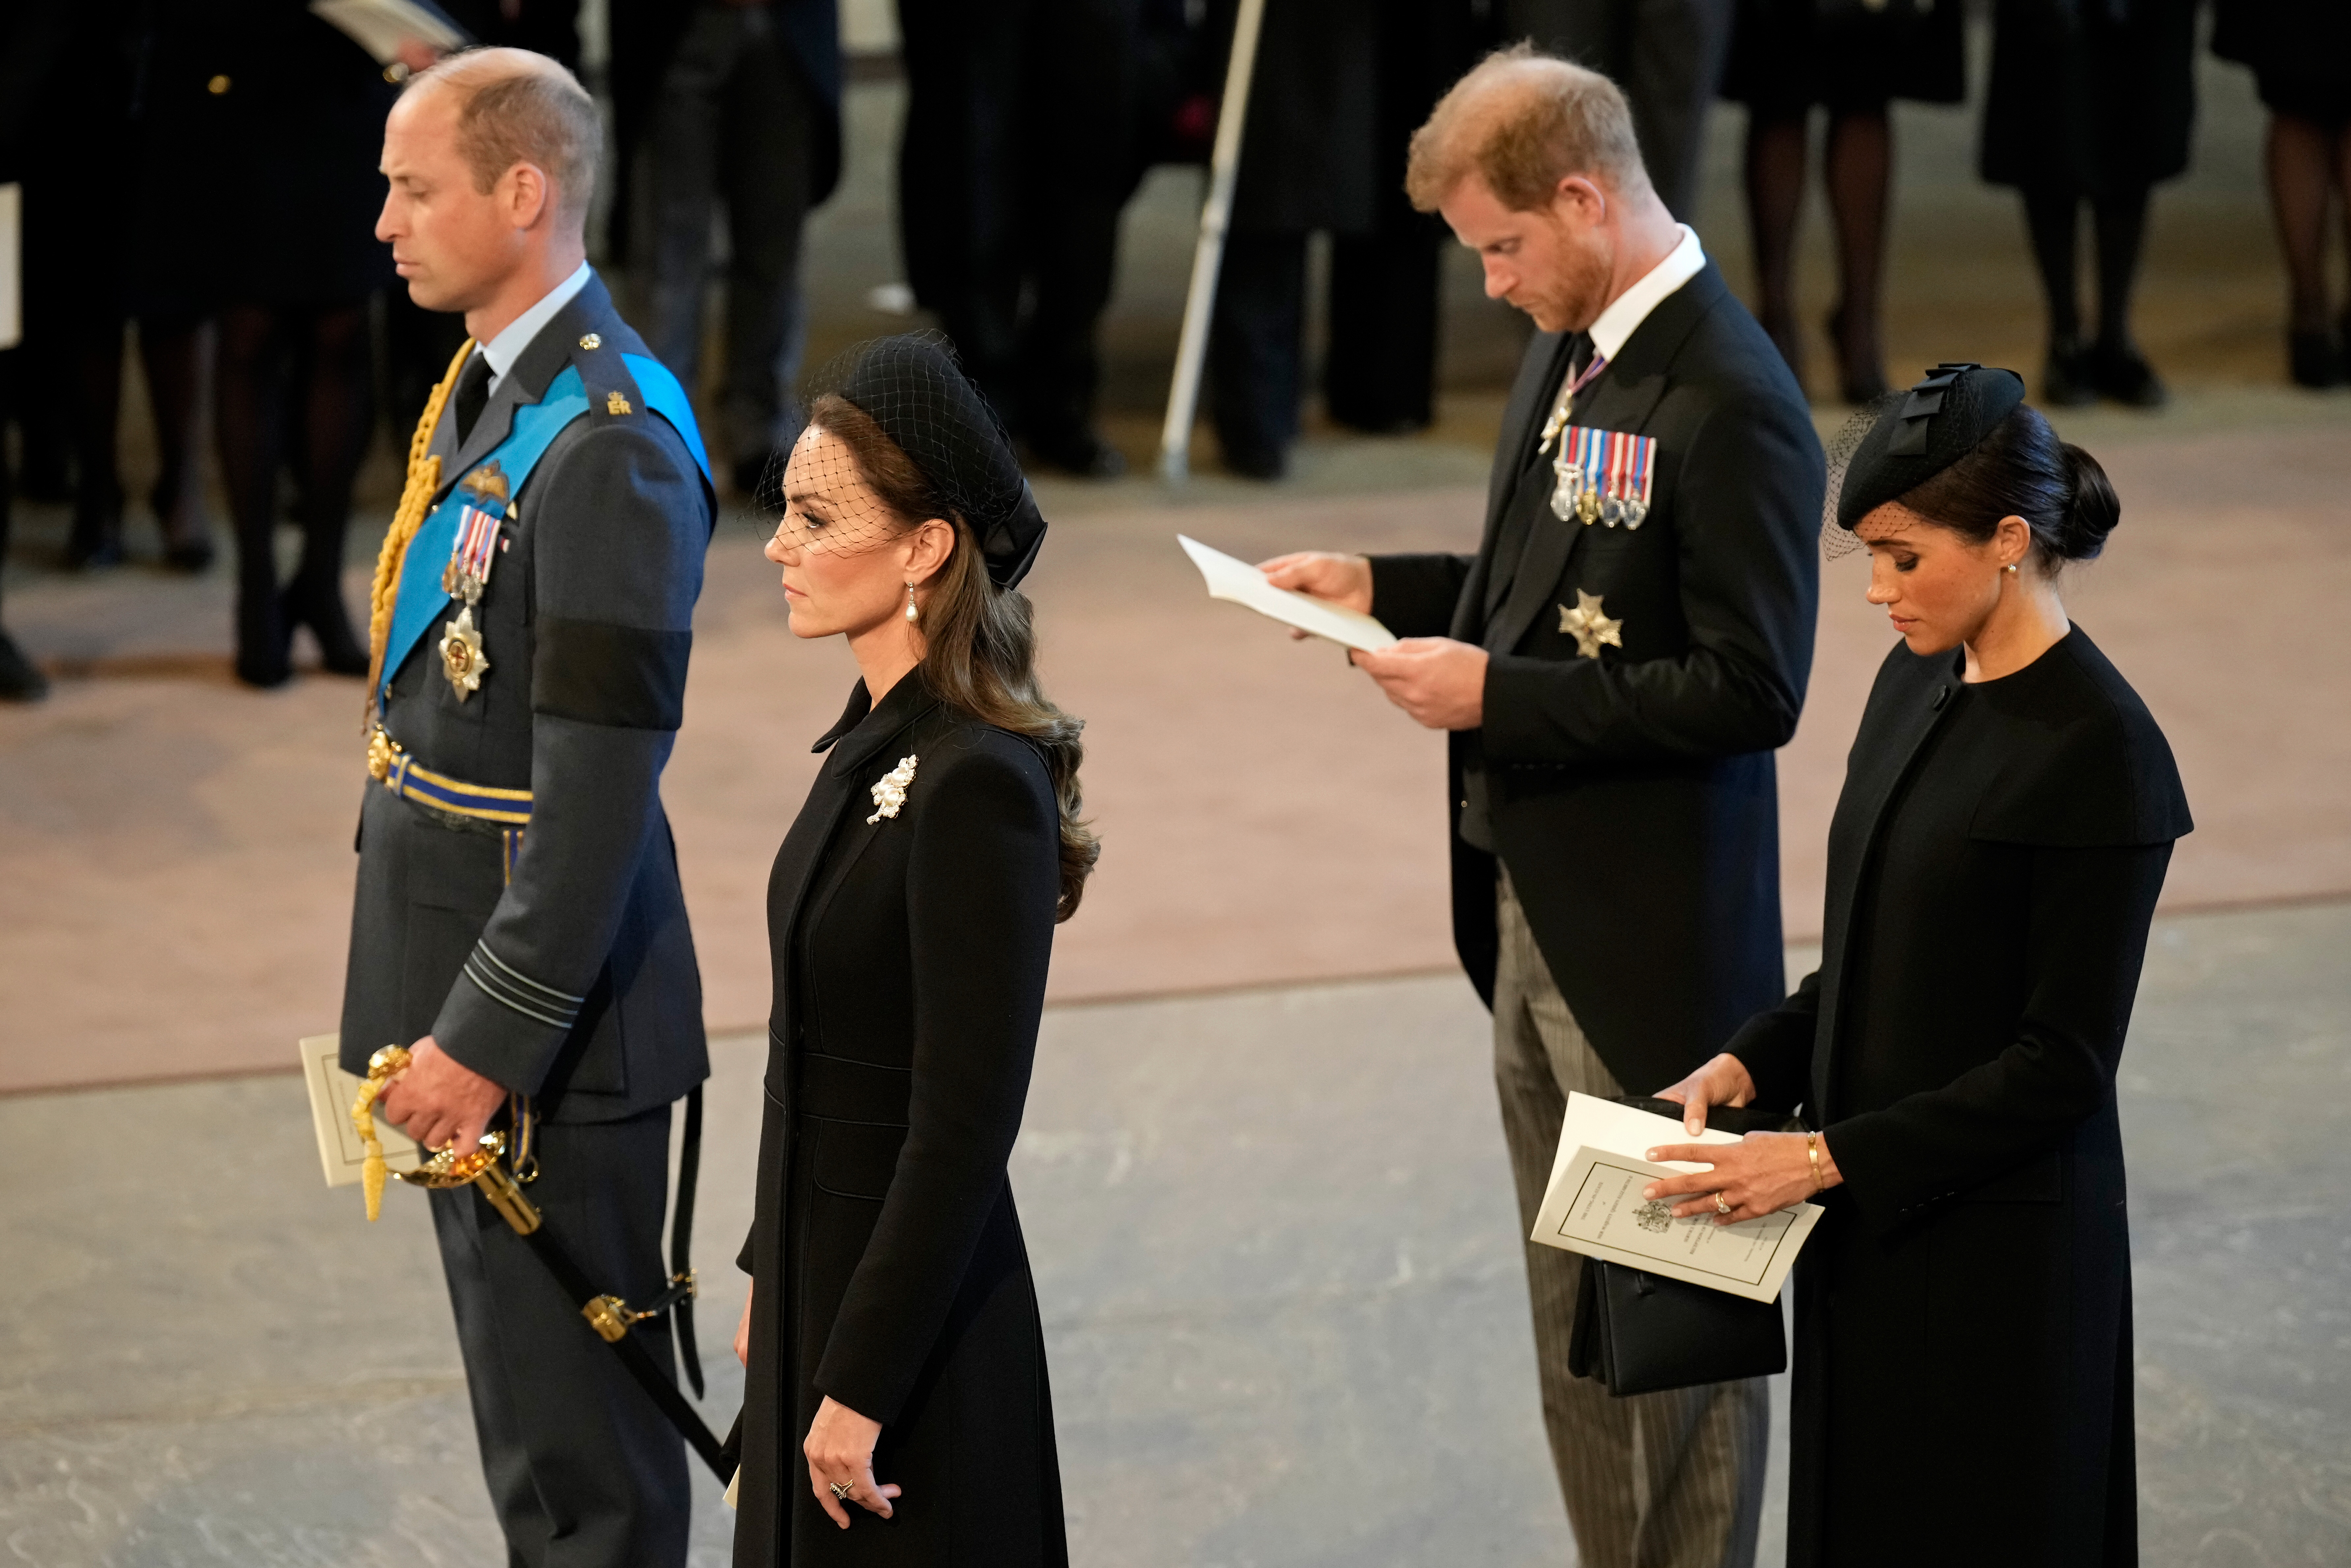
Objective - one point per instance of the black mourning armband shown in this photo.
(597, 672)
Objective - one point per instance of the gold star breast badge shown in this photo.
(1589, 627)
(461, 659)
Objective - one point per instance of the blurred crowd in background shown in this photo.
(201, 175)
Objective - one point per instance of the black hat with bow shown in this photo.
(914, 388)
(1919, 434)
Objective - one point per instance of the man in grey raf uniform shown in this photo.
(518, 922)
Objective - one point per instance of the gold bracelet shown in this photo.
(1813, 1149)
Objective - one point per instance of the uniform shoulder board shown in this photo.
(625, 386)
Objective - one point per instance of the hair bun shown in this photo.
(2091, 508)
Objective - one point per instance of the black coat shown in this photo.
(1634, 796)
(260, 129)
(2097, 95)
(1786, 55)
(2291, 43)
(1963, 1362)
(887, 1264)
(587, 622)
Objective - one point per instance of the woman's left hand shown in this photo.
(1760, 1175)
(840, 1448)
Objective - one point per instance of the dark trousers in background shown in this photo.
(582, 1467)
(1014, 163)
(1379, 372)
(1668, 55)
(293, 391)
(733, 124)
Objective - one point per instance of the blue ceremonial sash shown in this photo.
(667, 399)
(421, 597)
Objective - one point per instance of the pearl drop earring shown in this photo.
(914, 616)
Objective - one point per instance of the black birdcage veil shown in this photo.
(913, 388)
(1837, 539)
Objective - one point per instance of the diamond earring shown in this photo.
(914, 616)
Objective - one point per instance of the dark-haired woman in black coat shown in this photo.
(895, 1403)
(1963, 1344)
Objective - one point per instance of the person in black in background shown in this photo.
(1668, 55)
(2301, 53)
(2091, 102)
(1016, 157)
(895, 1363)
(739, 101)
(1614, 669)
(1339, 86)
(262, 126)
(71, 109)
(1963, 1312)
(1852, 60)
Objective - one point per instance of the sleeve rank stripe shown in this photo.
(493, 988)
(549, 992)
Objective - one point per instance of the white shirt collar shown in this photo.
(1630, 308)
(504, 350)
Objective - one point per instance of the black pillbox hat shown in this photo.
(914, 387)
(1935, 424)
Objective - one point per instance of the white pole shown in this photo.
(1216, 217)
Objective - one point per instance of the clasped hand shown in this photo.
(440, 1101)
(1760, 1175)
(1438, 681)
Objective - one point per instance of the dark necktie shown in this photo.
(473, 391)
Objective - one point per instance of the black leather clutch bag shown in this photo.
(1644, 1334)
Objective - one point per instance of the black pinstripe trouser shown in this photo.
(1655, 1480)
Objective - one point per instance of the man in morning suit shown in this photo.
(519, 922)
(1616, 665)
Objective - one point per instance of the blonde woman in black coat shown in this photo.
(895, 1406)
(1963, 1363)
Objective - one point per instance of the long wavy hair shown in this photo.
(979, 640)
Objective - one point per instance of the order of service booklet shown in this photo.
(1594, 1205)
(381, 26)
(332, 1089)
(1239, 582)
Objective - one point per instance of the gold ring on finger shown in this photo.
(1721, 1203)
(841, 1490)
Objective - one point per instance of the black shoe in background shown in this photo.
(1077, 451)
(20, 682)
(1265, 463)
(340, 649)
(2065, 376)
(263, 642)
(96, 537)
(2120, 372)
(2313, 360)
(187, 533)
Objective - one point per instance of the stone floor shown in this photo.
(1282, 1286)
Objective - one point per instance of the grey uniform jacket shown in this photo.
(568, 975)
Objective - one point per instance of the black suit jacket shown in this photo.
(1633, 796)
(1963, 1311)
(574, 977)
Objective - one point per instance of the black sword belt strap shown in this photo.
(630, 1349)
(612, 1318)
(681, 1239)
